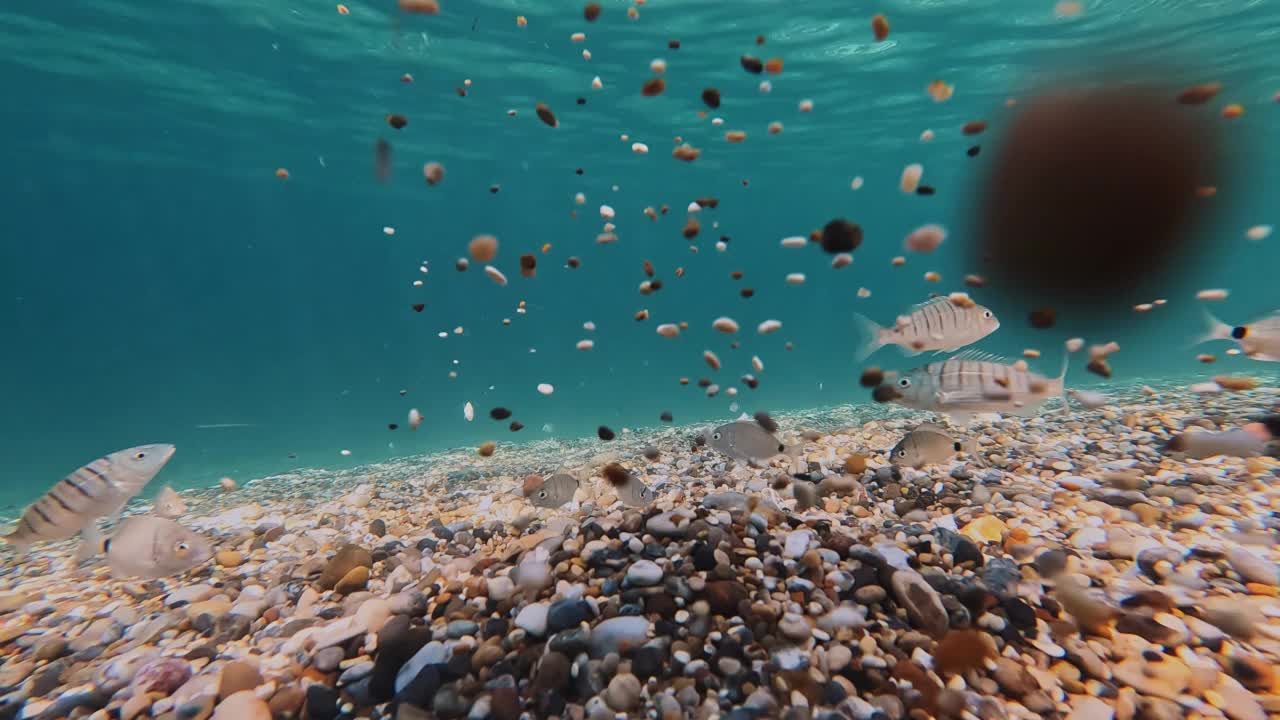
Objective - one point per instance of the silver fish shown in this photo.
(97, 490)
(1204, 444)
(169, 504)
(928, 444)
(555, 491)
(149, 547)
(1259, 340)
(973, 382)
(940, 325)
(746, 441)
(630, 489)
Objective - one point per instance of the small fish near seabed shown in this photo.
(169, 504)
(146, 546)
(746, 441)
(99, 489)
(1203, 444)
(943, 324)
(630, 489)
(1259, 340)
(553, 492)
(929, 444)
(973, 382)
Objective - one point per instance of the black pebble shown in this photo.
(516, 426)
(973, 151)
(666, 416)
(322, 702)
(647, 662)
(392, 426)
(419, 307)
(925, 190)
(499, 413)
(582, 101)
(841, 236)
(605, 433)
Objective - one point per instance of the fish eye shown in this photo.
(542, 493)
(986, 314)
(139, 456)
(715, 436)
(904, 382)
(902, 453)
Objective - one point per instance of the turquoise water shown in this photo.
(157, 276)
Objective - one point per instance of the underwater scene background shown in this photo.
(161, 283)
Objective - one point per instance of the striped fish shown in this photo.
(942, 324)
(97, 490)
(974, 382)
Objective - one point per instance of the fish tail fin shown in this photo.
(872, 336)
(969, 446)
(92, 543)
(1215, 329)
(20, 545)
(1062, 382)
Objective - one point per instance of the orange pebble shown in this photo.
(1260, 589)
(1232, 111)
(546, 248)
(735, 136)
(880, 26)
(521, 20)
(343, 10)
(774, 65)
(1206, 191)
(282, 173)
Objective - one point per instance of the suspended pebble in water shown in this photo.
(806, 106)
(795, 279)
(911, 177)
(469, 412)
(345, 453)
(228, 484)
(757, 363)
(545, 388)
(925, 239)
(1075, 344)
(855, 183)
(596, 84)
(580, 199)
(1258, 232)
(495, 275)
(794, 241)
(864, 293)
(589, 326)
(1215, 294)
(639, 149)
(415, 419)
(769, 326)
(725, 325)
(841, 260)
(668, 330)
(926, 136)
(586, 344)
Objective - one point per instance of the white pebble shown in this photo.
(769, 326)
(606, 212)
(580, 199)
(578, 37)
(668, 330)
(1214, 294)
(417, 283)
(495, 274)
(344, 453)
(1206, 388)
(926, 136)
(925, 239)
(596, 84)
(721, 246)
(546, 388)
(640, 148)
(864, 293)
(795, 278)
(841, 260)
(658, 66)
(469, 412)
(757, 363)
(415, 419)
(589, 326)
(717, 121)
(855, 183)
(725, 325)
(795, 241)
(693, 208)
(586, 344)
(586, 54)
(1075, 344)
(806, 106)
(389, 230)
(766, 86)
(1258, 232)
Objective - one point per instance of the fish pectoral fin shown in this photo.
(91, 543)
(1026, 411)
(958, 396)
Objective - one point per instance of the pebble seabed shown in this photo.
(1072, 571)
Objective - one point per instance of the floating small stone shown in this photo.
(871, 377)
(911, 175)
(1204, 388)
(397, 121)
(855, 183)
(1233, 111)
(1199, 94)
(751, 64)
(515, 426)
(1074, 345)
(841, 260)
(586, 54)
(746, 292)
(925, 239)
(642, 315)
(596, 83)
(757, 363)
(932, 276)
(1043, 318)
(769, 326)
(880, 27)
(841, 236)
(586, 344)
(685, 152)
(344, 453)
(495, 275)
(1258, 232)
(974, 127)
(415, 419)
(545, 115)
(228, 484)
(940, 91)
(388, 230)
(604, 433)
(973, 151)
(573, 263)
(422, 7)
(657, 66)
(487, 449)
(528, 265)
(632, 13)
(639, 148)
(1206, 358)
(1068, 9)
(653, 87)
(578, 37)
(1143, 307)
(666, 416)
(711, 359)
(343, 9)
(691, 228)
(589, 326)
(735, 136)
(668, 330)
(606, 212)
(483, 248)
(711, 98)
(282, 173)
(499, 413)
(433, 172)
(765, 86)
(522, 21)
(807, 106)
(418, 307)
(773, 66)
(725, 325)
(1100, 367)
(591, 11)
(926, 136)
(1235, 382)
(795, 278)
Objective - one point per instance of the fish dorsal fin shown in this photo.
(974, 355)
(743, 418)
(931, 301)
(931, 427)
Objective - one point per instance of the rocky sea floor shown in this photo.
(1070, 571)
